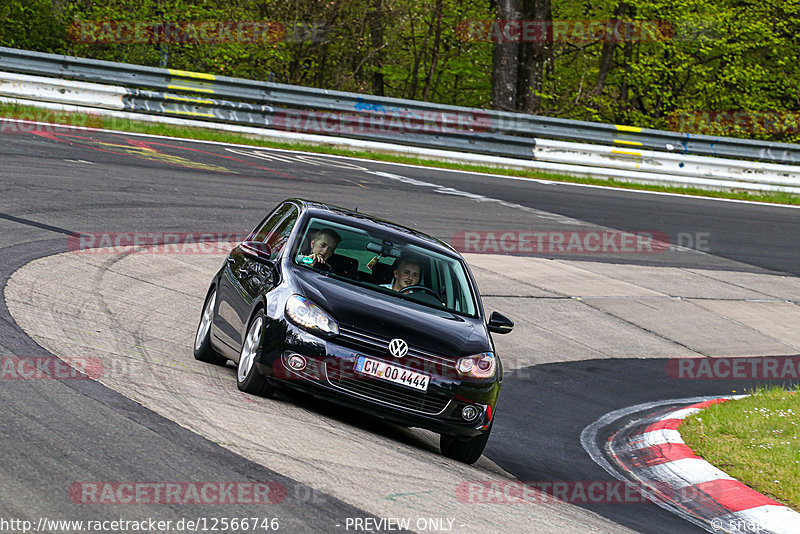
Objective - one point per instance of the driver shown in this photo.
(323, 245)
(407, 273)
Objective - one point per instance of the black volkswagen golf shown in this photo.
(362, 312)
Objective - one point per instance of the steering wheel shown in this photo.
(411, 289)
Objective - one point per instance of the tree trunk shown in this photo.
(376, 34)
(505, 59)
(437, 16)
(607, 55)
(419, 56)
(627, 54)
(534, 56)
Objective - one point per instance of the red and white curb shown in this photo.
(651, 450)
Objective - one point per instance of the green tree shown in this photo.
(32, 25)
(686, 57)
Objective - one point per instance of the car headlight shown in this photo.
(481, 365)
(305, 313)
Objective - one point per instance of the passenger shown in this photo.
(407, 273)
(323, 245)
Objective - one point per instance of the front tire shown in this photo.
(203, 351)
(467, 450)
(248, 379)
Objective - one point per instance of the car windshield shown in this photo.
(385, 262)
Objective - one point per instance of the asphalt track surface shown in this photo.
(57, 432)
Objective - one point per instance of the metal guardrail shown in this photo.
(251, 102)
(579, 159)
(684, 169)
(348, 124)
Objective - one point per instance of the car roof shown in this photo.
(344, 215)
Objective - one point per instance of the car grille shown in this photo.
(371, 344)
(393, 394)
(386, 392)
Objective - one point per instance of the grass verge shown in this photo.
(98, 121)
(755, 440)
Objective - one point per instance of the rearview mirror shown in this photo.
(385, 249)
(500, 324)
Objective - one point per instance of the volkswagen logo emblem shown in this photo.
(398, 348)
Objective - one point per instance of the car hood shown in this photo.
(388, 316)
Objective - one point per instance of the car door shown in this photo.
(249, 272)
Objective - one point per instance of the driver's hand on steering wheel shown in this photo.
(315, 259)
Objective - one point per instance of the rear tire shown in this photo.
(248, 379)
(203, 351)
(467, 450)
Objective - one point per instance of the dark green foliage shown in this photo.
(698, 56)
(32, 25)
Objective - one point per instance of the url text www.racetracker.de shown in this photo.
(197, 524)
(220, 524)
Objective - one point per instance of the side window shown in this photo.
(272, 221)
(279, 236)
(276, 229)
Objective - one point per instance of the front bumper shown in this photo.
(329, 375)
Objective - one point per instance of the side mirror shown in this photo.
(256, 249)
(500, 324)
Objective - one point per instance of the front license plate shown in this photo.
(392, 373)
